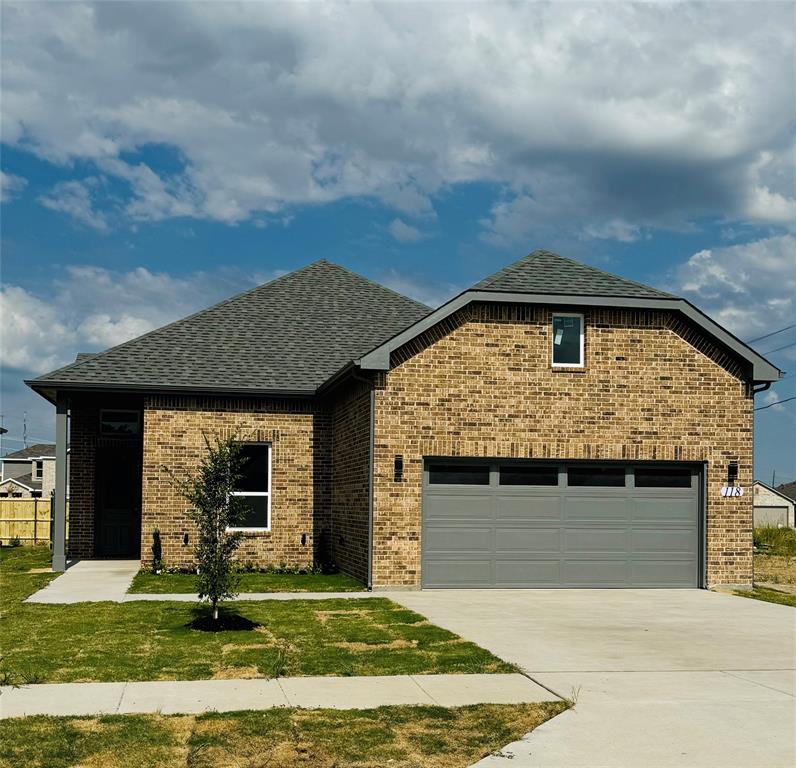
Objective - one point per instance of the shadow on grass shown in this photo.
(226, 622)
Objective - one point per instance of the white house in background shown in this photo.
(772, 507)
(29, 472)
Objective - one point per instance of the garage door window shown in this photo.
(663, 477)
(458, 474)
(519, 475)
(596, 477)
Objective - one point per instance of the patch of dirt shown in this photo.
(775, 569)
(235, 673)
(40, 570)
(324, 616)
(377, 646)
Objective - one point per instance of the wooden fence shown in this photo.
(27, 519)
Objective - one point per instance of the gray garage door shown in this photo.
(536, 524)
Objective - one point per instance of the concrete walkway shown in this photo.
(663, 678)
(187, 697)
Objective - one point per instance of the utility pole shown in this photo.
(774, 479)
(24, 429)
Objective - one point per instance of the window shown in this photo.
(567, 340)
(458, 474)
(599, 477)
(517, 474)
(120, 423)
(663, 477)
(38, 472)
(254, 487)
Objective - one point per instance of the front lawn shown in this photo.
(155, 641)
(775, 555)
(399, 737)
(185, 583)
(769, 596)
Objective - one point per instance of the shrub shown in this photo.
(775, 541)
(15, 542)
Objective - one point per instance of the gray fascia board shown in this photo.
(378, 359)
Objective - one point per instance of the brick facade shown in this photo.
(83, 435)
(298, 433)
(350, 494)
(481, 384)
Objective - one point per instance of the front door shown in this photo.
(118, 498)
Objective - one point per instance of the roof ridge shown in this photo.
(516, 266)
(377, 285)
(101, 353)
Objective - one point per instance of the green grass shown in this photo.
(775, 541)
(154, 640)
(185, 583)
(399, 737)
(769, 596)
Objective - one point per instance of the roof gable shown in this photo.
(546, 272)
(289, 335)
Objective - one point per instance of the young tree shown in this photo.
(214, 510)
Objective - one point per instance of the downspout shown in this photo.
(371, 453)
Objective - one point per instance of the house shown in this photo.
(789, 489)
(552, 426)
(772, 507)
(29, 472)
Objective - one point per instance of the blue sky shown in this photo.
(156, 162)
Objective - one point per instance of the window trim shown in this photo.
(582, 363)
(249, 528)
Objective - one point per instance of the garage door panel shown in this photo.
(675, 541)
(578, 573)
(664, 572)
(461, 572)
(596, 540)
(602, 508)
(537, 540)
(528, 507)
(561, 536)
(512, 573)
(662, 510)
(452, 539)
(459, 507)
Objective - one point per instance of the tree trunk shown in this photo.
(215, 612)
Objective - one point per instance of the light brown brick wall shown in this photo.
(481, 385)
(298, 432)
(350, 479)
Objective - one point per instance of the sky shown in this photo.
(158, 157)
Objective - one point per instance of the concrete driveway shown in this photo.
(662, 677)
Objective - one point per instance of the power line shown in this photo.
(779, 349)
(773, 333)
(779, 402)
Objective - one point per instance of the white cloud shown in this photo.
(92, 308)
(403, 232)
(431, 292)
(10, 186)
(267, 105)
(74, 198)
(750, 288)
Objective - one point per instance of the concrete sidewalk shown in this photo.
(196, 696)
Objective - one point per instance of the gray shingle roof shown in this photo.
(546, 272)
(289, 335)
(789, 489)
(26, 480)
(39, 449)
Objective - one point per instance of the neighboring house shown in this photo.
(789, 489)
(552, 426)
(772, 507)
(29, 472)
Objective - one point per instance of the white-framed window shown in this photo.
(254, 487)
(567, 340)
(38, 469)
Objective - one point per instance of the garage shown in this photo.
(548, 524)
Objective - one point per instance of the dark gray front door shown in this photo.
(536, 524)
(118, 498)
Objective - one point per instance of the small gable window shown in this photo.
(567, 340)
(38, 473)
